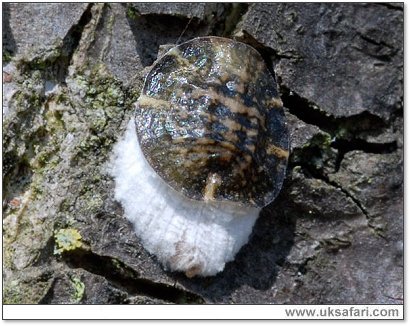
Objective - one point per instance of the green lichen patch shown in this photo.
(67, 240)
(317, 155)
(7, 56)
(91, 201)
(132, 13)
(104, 102)
(100, 88)
(79, 289)
(54, 117)
(95, 145)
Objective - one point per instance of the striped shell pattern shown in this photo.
(210, 123)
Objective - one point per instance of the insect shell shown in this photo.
(207, 150)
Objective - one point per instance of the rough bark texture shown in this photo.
(70, 75)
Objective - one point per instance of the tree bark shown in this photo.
(71, 73)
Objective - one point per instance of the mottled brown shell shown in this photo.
(211, 124)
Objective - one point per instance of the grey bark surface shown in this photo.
(71, 73)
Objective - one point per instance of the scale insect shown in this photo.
(207, 150)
